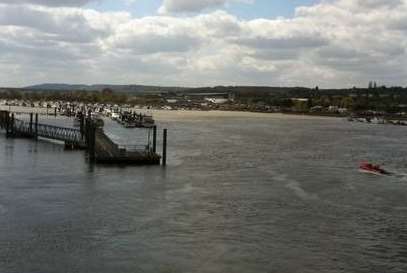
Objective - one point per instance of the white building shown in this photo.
(217, 100)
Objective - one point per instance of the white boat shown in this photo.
(115, 116)
(376, 120)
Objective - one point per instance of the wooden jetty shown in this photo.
(100, 148)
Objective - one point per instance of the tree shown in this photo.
(107, 91)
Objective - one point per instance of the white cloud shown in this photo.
(336, 43)
(55, 3)
(176, 6)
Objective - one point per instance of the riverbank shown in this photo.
(179, 114)
(160, 114)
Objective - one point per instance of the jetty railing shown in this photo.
(135, 148)
(48, 131)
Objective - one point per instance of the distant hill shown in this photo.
(59, 87)
(148, 89)
(240, 90)
(142, 89)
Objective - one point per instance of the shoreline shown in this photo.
(157, 113)
(196, 113)
(180, 113)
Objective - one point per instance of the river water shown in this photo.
(242, 193)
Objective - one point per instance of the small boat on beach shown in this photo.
(135, 120)
(372, 169)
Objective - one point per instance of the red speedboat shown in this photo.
(373, 169)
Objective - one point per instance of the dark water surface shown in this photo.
(244, 193)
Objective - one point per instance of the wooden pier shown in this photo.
(100, 148)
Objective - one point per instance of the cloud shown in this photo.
(331, 44)
(63, 25)
(176, 6)
(54, 3)
(154, 35)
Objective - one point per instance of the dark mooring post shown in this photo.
(12, 124)
(31, 123)
(82, 124)
(7, 116)
(36, 127)
(86, 132)
(55, 111)
(90, 139)
(165, 147)
(154, 139)
(2, 119)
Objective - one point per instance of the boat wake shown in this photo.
(402, 176)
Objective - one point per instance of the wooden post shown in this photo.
(7, 124)
(154, 139)
(165, 147)
(86, 125)
(12, 124)
(31, 123)
(36, 126)
(55, 112)
(90, 139)
(82, 124)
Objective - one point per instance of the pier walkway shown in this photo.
(106, 151)
(101, 149)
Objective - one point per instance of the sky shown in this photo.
(259, 8)
(325, 43)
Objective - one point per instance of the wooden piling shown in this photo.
(86, 132)
(7, 124)
(55, 111)
(154, 139)
(12, 124)
(36, 127)
(90, 139)
(31, 123)
(2, 119)
(82, 125)
(164, 147)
